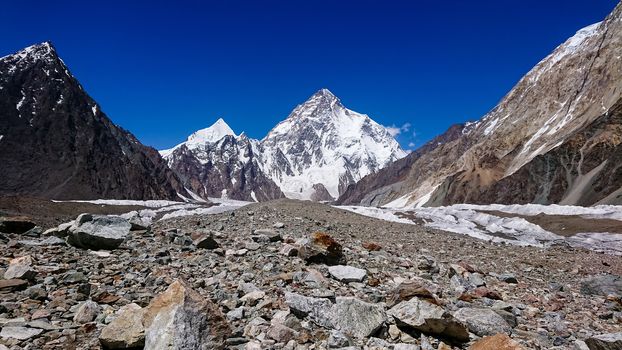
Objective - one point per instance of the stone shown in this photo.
(429, 319)
(98, 232)
(496, 342)
(19, 333)
(16, 224)
(357, 318)
(602, 285)
(180, 318)
(20, 268)
(321, 248)
(204, 240)
(414, 288)
(508, 278)
(87, 312)
(337, 339)
(317, 309)
(13, 284)
(483, 322)
(371, 246)
(289, 250)
(610, 341)
(281, 333)
(347, 274)
(253, 297)
(126, 331)
(236, 314)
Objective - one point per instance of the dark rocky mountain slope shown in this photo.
(55, 142)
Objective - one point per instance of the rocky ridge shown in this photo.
(298, 275)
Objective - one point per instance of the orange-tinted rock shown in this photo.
(496, 342)
(323, 249)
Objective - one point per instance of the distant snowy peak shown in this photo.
(203, 137)
(217, 131)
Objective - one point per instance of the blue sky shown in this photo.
(163, 69)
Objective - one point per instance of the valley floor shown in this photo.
(551, 297)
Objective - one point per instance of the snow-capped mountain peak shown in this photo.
(217, 131)
(200, 138)
(322, 147)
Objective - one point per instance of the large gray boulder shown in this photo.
(429, 319)
(98, 232)
(483, 322)
(357, 318)
(316, 309)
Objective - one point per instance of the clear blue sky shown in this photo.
(163, 69)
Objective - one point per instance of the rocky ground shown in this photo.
(298, 275)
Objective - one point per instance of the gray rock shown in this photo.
(20, 268)
(98, 232)
(429, 318)
(610, 341)
(602, 285)
(87, 312)
(357, 318)
(19, 333)
(317, 309)
(347, 274)
(337, 339)
(483, 322)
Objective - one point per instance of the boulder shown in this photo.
(20, 268)
(317, 309)
(16, 224)
(357, 318)
(98, 232)
(419, 288)
(321, 248)
(610, 341)
(180, 318)
(429, 319)
(347, 274)
(496, 342)
(483, 321)
(602, 285)
(126, 331)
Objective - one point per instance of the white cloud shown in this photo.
(411, 145)
(396, 130)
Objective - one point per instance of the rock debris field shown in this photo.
(296, 275)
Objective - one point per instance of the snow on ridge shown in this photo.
(201, 137)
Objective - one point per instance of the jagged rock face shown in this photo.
(222, 165)
(55, 142)
(569, 90)
(314, 154)
(322, 142)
